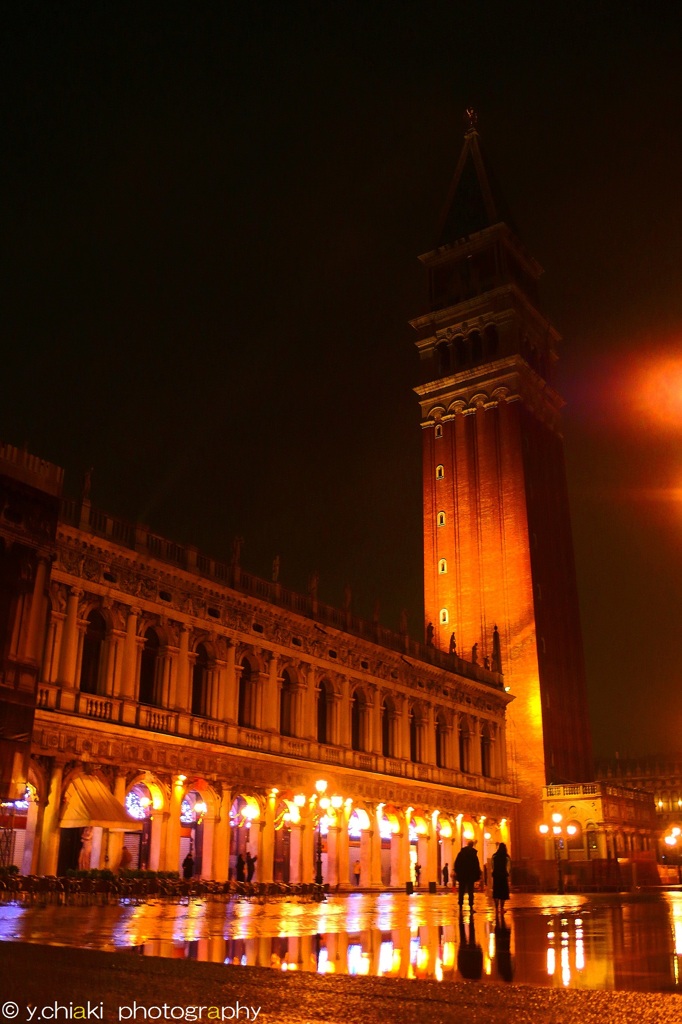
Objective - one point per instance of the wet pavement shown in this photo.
(599, 942)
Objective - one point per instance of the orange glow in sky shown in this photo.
(658, 389)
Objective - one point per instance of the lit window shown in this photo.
(440, 472)
(444, 617)
(441, 518)
(439, 430)
(442, 566)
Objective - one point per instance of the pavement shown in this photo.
(39, 983)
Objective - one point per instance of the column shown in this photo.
(342, 847)
(220, 690)
(115, 845)
(307, 696)
(404, 729)
(344, 716)
(33, 645)
(231, 689)
(375, 879)
(267, 864)
(295, 851)
(114, 673)
(376, 746)
(332, 876)
(270, 719)
(49, 834)
(475, 752)
(130, 651)
(221, 839)
(69, 649)
(366, 857)
(171, 858)
(207, 845)
(182, 686)
(429, 751)
(431, 853)
(308, 841)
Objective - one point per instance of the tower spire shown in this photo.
(473, 201)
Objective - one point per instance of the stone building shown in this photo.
(498, 553)
(182, 705)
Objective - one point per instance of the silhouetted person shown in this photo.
(469, 954)
(501, 867)
(241, 868)
(453, 644)
(356, 872)
(417, 874)
(250, 867)
(505, 967)
(467, 873)
(446, 875)
(188, 867)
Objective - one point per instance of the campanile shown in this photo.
(498, 554)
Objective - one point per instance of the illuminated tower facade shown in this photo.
(498, 555)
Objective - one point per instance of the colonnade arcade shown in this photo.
(293, 834)
(116, 652)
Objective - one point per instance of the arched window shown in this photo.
(440, 472)
(286, 705)
(461, 352)
(441, 518)
(442, 566)
(441, 733)
(464, 746)
(476, 347)
(200, 694)
(444, 617)
(245, 711)
(324, 707)
(387, 727)
(92, 662)
(444, 365)
(438, 432)
(149, 669)
(358, 713)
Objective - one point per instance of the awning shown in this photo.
(91, 803)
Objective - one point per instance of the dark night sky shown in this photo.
(211, 215)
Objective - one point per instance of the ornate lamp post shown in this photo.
(557, 831)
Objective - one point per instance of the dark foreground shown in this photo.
(60, 983)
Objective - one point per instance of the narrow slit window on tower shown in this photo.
(440, 472)
(441, 518)
(442, 566)
(444, 617)
(439, 430)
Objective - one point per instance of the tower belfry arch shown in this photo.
(495, 499)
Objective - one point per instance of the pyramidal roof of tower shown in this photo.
(474, 200)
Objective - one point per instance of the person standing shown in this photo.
(501, 866)
(250, 867)
(241, 868)
(356, 872)
(446, 875)
(467, 873)
(188, 867)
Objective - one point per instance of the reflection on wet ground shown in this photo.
(595, 942)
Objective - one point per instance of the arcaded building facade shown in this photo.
(184, 705)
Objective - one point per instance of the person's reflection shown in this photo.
(469, 954)
(503, 959)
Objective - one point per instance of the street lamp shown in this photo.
(557, 831)
(672, 841)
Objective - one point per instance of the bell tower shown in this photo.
(498, 554)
